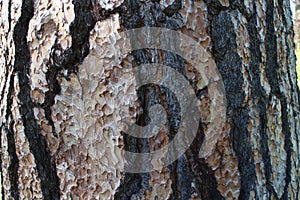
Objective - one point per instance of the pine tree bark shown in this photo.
(59, 121)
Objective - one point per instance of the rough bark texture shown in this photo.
(61, 129)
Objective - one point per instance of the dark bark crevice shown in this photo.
(9, 15)
(272, 76)
(258, 94)
(181, 177)
(71, 58)
(204, 176)
(7, 64)
(241, 7)
(265, 151)
(1, 158)
(12, 155)
(38, 146)
(8, 129)
(229, 65)
(132, 185)
(14, 162)
(7, 50)
(271, 50)
(139, 14)
(287, 147)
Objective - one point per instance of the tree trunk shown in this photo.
(63, 100)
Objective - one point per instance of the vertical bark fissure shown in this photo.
(7, 50)
(258, 92)
(272, 76)
(8, 105)
(131, 17)
(38, 146)
(7, 108)
(271, 66)
(13, 176)
(9, 15)
(174, 178)
(294, 88)
(6, 73)
(69, 59)
(264, 150)
(229, 65)
(288, 146)
(139, 14)
(204, 175)
(183, 179)
(54, 89)
(271, 50)
(1, 158)
(14, 163)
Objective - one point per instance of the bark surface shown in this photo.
(61, 97)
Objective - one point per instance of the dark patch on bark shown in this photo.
(206, 184)
(258, 94)
(131, 185)
(264, 149)
(148, 96)
(7, 50)
(294, 88)
(9, 15)
(136, 14)
(271, 50)
(272, 76)
(214, 8)
(181, 177)
(229, 65)
(173, 8)
(7, 64)
(69, 59)
(37, 143)
(287, 147)
(14, 162)
(241, 7)
(1, 158)
(86, 16)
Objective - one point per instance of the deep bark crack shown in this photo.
(45, 164)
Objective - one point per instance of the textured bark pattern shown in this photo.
(61, 129)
